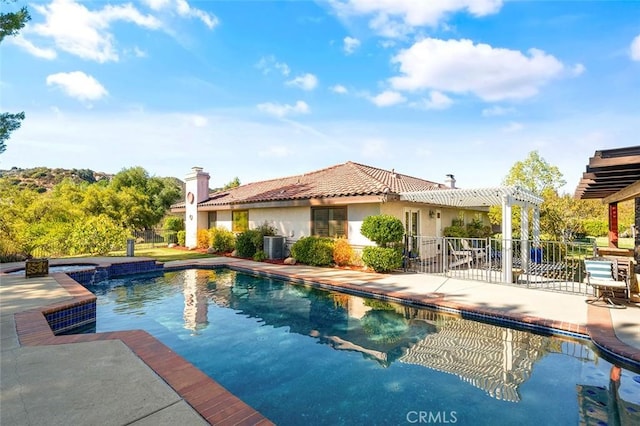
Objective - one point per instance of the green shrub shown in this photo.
(476, 229)
(456, 231)
(384, 230)
(260, 256)
(382, 259)
(596, 228)
(246, 243)
(314, 251)
(182, 238)
(96, 235)
(252, 241)
(222, 240)
(170, 228)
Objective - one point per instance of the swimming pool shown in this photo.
(305, 356)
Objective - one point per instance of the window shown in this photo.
(240, 219)
(329, 222)
(212, 219)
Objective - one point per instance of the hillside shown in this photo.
(43, 179)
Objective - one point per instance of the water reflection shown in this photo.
(195, 299)
(495, 359)
(601, 405)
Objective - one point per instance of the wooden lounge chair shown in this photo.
(459, 257)
(478, 253)
(602, 275)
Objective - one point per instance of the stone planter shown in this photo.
(38, 267)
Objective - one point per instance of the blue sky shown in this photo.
(262, 89)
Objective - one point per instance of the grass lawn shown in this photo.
(164, 254)
(625, 243)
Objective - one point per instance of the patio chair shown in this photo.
(478, 253)
(459, 257)
(602, 275)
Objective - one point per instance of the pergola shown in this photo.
(505, 196)
(613, 175)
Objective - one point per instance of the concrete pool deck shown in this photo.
(131, 378)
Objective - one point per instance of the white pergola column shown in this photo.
(524, 237)
(507, 246)
(536, 226)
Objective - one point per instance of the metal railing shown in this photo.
(152, 238)
(548, 265)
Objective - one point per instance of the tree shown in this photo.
(232, 184)
(535, 174)
(10, 24)
(8, 123)
(150, 197)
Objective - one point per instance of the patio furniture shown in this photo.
(602, 275)
(478, 253)
(459, 257)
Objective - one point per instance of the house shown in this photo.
(331, 202)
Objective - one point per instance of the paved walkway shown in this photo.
(131, 378)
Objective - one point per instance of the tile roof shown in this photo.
(342, 180)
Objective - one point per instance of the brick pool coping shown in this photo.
(218, 406)
(212, 401)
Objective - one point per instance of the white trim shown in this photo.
(481, 197)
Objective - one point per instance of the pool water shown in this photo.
(305, 356)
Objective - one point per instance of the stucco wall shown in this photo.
(223, 219)
(357, 214)
(292, 222)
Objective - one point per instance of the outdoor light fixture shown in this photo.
(431, 214)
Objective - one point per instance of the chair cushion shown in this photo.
(608, 283)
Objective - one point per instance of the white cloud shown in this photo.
(32, 49)
(438, 100)
(139, 53)
(84, 33)
(350, 45)
(460, 66)
(388, 98)
(578, 69)
(78, 85)
(635, 48)
(339, 88)
(182, 8)
(390, 28)
(305, 82)
(197, 120)
(266, 64)
(512, 127)
(396, 18)
(496, 110)
(387, 44)
(282, 110)
(157, 4)
(185, 10)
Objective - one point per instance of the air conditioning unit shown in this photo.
(274, 247)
